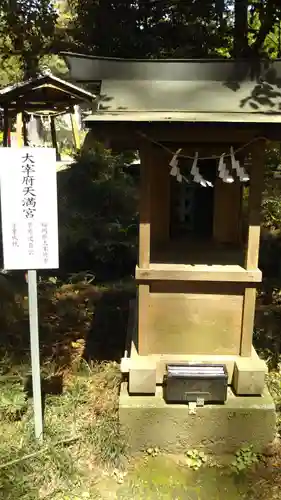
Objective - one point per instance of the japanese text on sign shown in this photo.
(28, 181)
(29, 208)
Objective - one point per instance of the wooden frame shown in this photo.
(169, 276)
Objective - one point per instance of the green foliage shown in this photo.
(245, 458)
(10, 70)
(97, 211)
(271, 197)
(36, 19)
(139, 29)
(13, 401)
(174, 29)
(195, 459)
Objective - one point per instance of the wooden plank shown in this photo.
(248, 321)
(184, 319)
(145, 207)
(174, 272)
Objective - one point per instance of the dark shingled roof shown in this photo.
(44, 92)
(181, 90)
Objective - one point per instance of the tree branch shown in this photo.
(267, 23)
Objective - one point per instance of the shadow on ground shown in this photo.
(107, 336)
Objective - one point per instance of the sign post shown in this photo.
(30, 234)
(35, 354)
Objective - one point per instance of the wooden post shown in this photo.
(75, 131)
(6, 127)
(54, 137)
(255, 199)
(144, 244)
(252, 253)
(19, 130)
(160, 201)
(25, 135)
(145, 207)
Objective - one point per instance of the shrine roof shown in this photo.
(44, 92)
(221, 90)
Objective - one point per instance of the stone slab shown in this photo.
(219, 429)
(162, 360)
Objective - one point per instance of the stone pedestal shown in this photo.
(150, 422)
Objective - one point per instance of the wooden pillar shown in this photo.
(145, 206)
(144, 244)
(252, 251)
(54, 137)
(25, 135)
(6, 127)
(19, 133)
(75, 131)
(160, 198)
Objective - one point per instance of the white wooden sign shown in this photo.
(28, 186)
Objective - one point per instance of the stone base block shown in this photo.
(142, 376)
(149, 421)
(249, 376)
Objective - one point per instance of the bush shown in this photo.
(97, 215)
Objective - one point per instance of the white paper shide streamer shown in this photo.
(197, 177)
(240, 171)
(175, 170)
(224, 172)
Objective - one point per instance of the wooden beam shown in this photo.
(175, 272)
(54, 137)
(19, 131)
(177, 133)
(75, 131)
(38, 106)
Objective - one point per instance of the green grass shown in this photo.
(81, 437)
(83, 442)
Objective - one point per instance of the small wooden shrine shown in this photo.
(44, 95)
(201, 129)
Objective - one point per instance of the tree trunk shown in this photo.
(241, 43)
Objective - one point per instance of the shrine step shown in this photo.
(219, 429)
